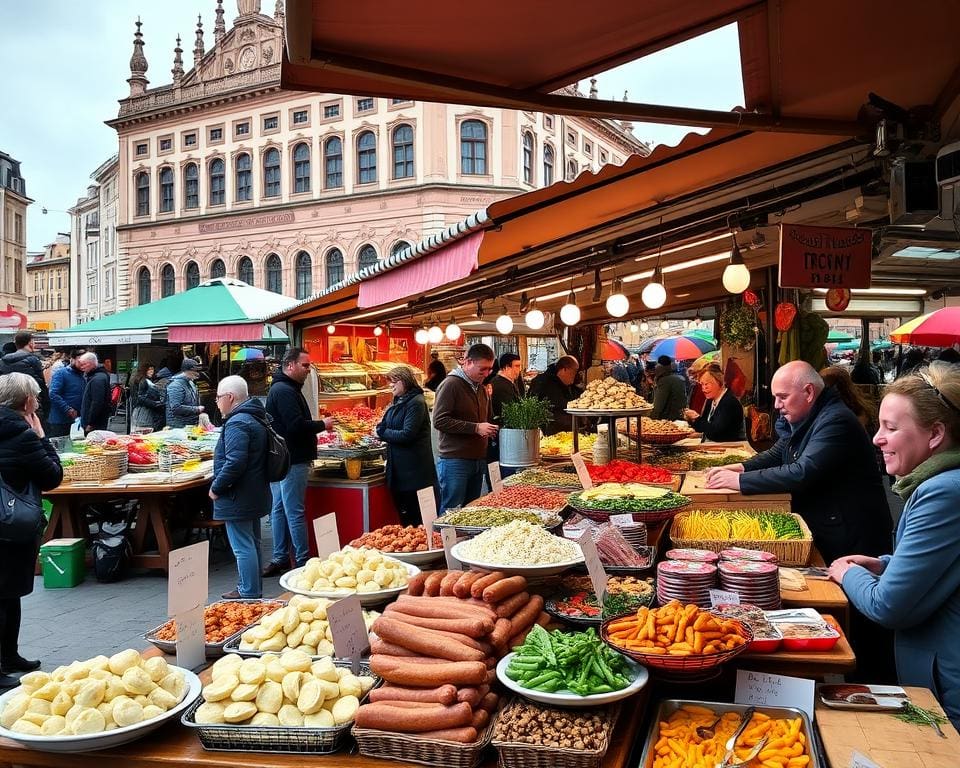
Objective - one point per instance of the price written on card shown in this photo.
(449, 536)
(583, 474)
(496, 482)
(350, 638)
(621, 520)
(598, 576)
(327, 535)
(762, 689)
(428, 509)
(191, 638)
(722, 597)
(187, 578)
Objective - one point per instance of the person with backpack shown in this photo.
(149, 406)
(24, 360)
(241, 488)
(294, 423)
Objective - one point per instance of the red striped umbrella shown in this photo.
(936, 329)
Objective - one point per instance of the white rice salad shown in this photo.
(519, 543)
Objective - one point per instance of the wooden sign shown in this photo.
(825, 257)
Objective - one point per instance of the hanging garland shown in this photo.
(738, 327)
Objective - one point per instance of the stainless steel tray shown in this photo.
(213, 650)
(669, 706)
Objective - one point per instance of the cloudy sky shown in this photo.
(75, 56)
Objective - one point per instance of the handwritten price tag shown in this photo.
(598, 576)
(449, 536)
(765, 690)
(191, 640)
(621, 520)
(583, 474)
(327, 536)
(722, 597)
(350, 638)
(428, 510)
(187, 578)
(496, 482)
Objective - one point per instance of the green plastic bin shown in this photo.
(63, 562)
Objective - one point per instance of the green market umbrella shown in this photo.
(838, 336)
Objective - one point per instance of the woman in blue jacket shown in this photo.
(916, 590)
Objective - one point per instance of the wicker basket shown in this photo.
(793, 552)
(669, 439)
(648, 517)
(410, 748)
(517, 755)
(115, 464)
(84, 469)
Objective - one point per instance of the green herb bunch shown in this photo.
(737, 327)
(527, 413)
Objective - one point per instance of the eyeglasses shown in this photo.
(225, 394)
(940, 396)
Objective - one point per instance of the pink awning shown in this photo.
(451, 263)
(185, 334)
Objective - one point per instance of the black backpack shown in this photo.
(278, 455)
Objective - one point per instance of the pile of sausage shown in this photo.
(436, 650)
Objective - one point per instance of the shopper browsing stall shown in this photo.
(66, 395)
(669, 393)
(183, 399)
(721, 419)
(555, 385)
(95, 408)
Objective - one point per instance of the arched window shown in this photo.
(274, 270)
(168, 281)
(399, 247)
(367, 257)
(244, 177)
(333, 163)
(301, 168)
(218, 269)
(473, 147)
(334, 266)
(571, 170)
(547, 165)
(166, 189)
(245, 270)
(367, 157)
(191, 186)
(143, 194)
(304, 275)
(528, 157)
(192, 274)
(218, 182)
(143, 286)
(403, 152)
(271, 173)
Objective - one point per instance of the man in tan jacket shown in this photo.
(461, 417)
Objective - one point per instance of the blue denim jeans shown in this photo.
(461, 481)
(287, 516)
(244, 537)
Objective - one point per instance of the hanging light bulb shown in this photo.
(378, 330)
(644, 326)
(534, 319)
(435, 334)
(331, 328)
(736, 276)
(570, 312)
(617, 304)
(504, 323)
(664, 324)
(453, 330)
(421, 336)
(634, 328)
(654, 293)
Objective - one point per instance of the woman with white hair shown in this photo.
(28, 464)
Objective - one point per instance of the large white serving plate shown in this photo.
(104, 739)
(416, 558)
(568, 698)
(545, 569)
(366, 598)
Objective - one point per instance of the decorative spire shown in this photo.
(593, 87)
(279, 11)
(219, 28)
(198, 46)
(248, 7)
(177, 63)
(626, 124)
(626, 95)
(138, 64)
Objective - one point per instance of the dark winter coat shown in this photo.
(829, 466)
(549, 387)
(183, 402)
(669, 394)
(722, 422)
(24, 361)
(405, 428)
(240, 465)
(66, 392)
(292, 418)
(24, 458)
(504, 391)
(95, 409)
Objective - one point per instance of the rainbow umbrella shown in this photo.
(935, 329)
(613, 349)
(700, 333)
(247, 353)
(682, 348)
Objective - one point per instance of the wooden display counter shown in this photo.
(360, 505)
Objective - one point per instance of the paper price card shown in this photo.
(326, 534)
(722, 597)
(496, 482)
(191, 639)
(765, 690)
(187, 578)
(598, 576)
(350, 638)
(449, 536)
(621, 520)
(583, 474)
(859, 760)
(428, 511)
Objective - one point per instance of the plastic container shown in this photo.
(63, 563)
(823, 641)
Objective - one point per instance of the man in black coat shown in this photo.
(556, 385)
(95, 410)
(25, 360)
(294, 423)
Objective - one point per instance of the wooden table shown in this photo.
(837, 661)
(67, 519)
(824, 595)
(889, 742)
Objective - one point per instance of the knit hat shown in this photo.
(664, 360)
(188, 365)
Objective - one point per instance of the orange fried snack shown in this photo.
(675, 630)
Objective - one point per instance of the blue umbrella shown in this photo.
(682, 348)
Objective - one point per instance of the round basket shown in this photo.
(651, 516)
(665, 439)
(84, 469)
(115, 464)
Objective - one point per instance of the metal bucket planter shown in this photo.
(519, 447)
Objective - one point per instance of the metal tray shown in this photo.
(226, 737)
(232, 645)
(669, 706)
(474, 530)
(213, 650)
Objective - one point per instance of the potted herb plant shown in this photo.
(519, 436)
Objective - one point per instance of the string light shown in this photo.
(435, 334)
(617, 303)
(736, 275)
(504, 323)
(421, 336)
(331, 328)
(534, 319)
(570, 312)
(453, 330)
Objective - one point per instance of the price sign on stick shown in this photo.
(350, 638)
(598, 576)
(583, 474)
(496, 482)
(191, 638)
(428, 511)
(187, 578)
(449, 536)
(327, 536)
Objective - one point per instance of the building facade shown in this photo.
(224, 173)
(13, 234)
(48, 285)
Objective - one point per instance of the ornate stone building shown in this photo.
(222, 172)
(13, 234)
(48, 285)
